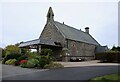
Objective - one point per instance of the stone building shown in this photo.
(65, 41)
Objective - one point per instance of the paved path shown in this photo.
(8, 71)
(87, 63)
(79, 71)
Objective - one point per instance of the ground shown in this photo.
(107, 77)
(72, 71)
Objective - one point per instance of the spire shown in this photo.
(50, 15)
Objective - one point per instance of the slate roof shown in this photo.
(75, 34)
(101, 49)
(31, 42)
(69, 33)
(38, 41)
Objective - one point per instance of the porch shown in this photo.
(38, 45)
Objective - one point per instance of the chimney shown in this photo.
(87, 30)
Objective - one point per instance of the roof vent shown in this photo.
(63, 22)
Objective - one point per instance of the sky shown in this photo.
(24, 20)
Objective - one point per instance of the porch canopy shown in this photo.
(35, 44)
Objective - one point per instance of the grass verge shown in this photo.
(110, 77)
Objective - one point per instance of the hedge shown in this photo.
(110, 56)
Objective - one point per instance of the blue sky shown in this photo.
(25, 20)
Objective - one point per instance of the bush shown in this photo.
(46, 52)
(35, 56)
(111, 56)
(23, 65)
(30, 63)
(37, 61)
(10, 62)
(43, 61)
(53, 65)
(23, 61)
(10, 56)
(17, 63)
(23, 57)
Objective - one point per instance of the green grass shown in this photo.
(107, 78)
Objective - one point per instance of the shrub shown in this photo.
(30, 63)
(35, 56)
(46, 52)
(43, 61)
(10, 61)
(17, 63)
(23, 65)
(53, 65)
(23, 61)
(111, 56)
(38, 61)
(23, 57)
(10, 56)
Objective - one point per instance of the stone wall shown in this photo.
(80, 49)
(50, 32)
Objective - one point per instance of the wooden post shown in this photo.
(20, 50)
(37, 48)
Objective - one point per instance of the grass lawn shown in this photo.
(107, 78)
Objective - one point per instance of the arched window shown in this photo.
(49, 15)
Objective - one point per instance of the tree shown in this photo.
(118, 48)
(115, 48)
(12, 49)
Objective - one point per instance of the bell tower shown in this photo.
(50, 15)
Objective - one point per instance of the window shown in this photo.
(49, 15)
